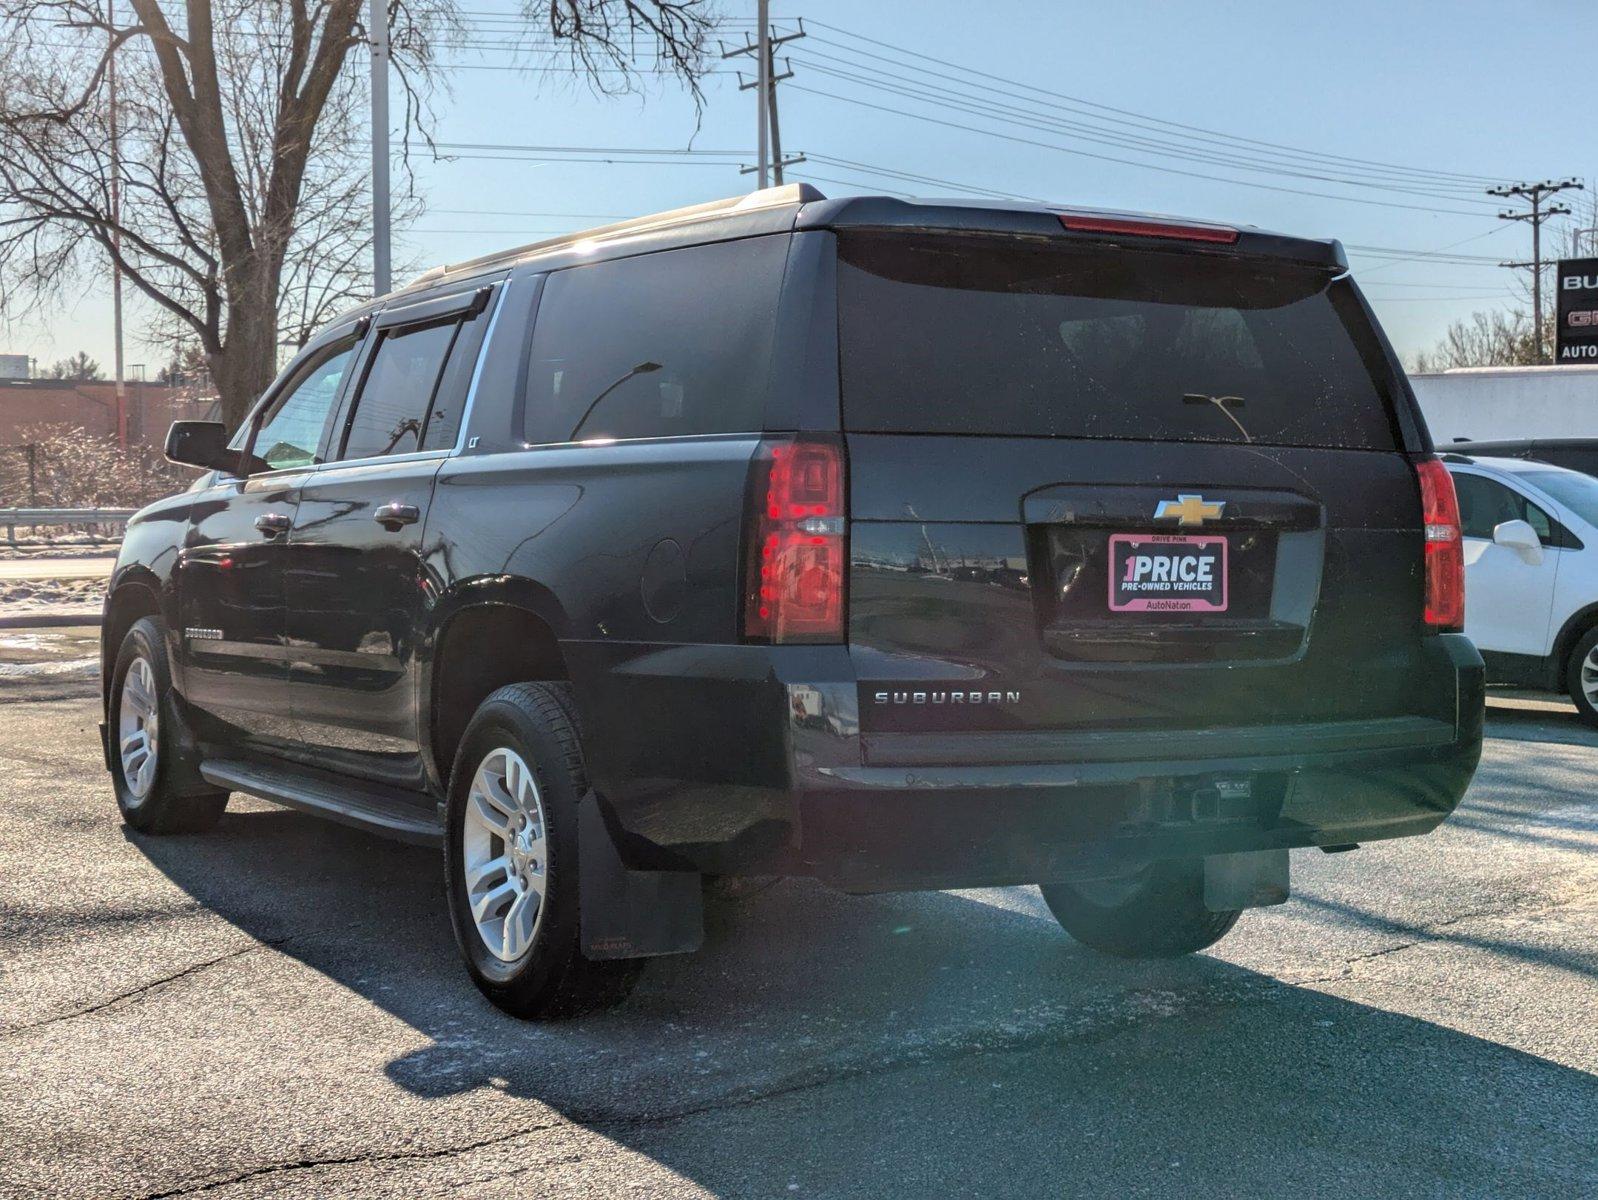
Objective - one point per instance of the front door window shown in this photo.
(290, 430)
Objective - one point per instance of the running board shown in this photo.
(349, 802)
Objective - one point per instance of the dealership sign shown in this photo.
(1576, 339)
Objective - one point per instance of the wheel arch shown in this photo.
(484, 638)
(134, 594)
(1572, 631)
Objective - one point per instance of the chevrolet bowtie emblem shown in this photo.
(1188, 510)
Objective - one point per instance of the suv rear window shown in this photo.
(949, 334)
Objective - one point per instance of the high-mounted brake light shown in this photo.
(796, 542)
(1141, 228)
(1445, 551)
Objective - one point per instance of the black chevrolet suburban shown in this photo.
(901, 545)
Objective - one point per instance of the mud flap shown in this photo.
(627, 913)
(1251, 880)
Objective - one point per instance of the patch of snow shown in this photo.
(85, 668)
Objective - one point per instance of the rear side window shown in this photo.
(1579, 493)
(983, 336)
(454, 386)
(1485, 504)
(398, 390)
(660, 345)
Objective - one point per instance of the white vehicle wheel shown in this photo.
(139, 728)
(511, 861)
(1581, 677)
(505, 855)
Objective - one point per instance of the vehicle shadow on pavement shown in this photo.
(1526, 724)
(944, 1043)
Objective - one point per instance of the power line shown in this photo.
(1500, 296)
(872, 188)
(1245, 159)
(1146, 118)
(912, 177)
(633, 162)
(1425, 255)
(1009, 137)
(502, 212)
(650, 150)
(1420, 255)
(1442, 287)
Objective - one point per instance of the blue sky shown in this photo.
(1467, 89)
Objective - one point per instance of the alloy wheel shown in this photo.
(504, 850)
(1589, 677)
(138, 728)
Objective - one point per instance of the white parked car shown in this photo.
(1531, 573)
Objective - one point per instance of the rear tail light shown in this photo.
(1445, 551)
(796, 542)
(1143, 227)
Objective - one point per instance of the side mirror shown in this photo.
(201, 444)
(1520, 537)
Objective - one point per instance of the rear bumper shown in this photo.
(747, 759)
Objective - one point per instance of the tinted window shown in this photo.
(291, 428)
(1485, 504)
(973, 335)
(449, 402)
(398, 389)
(655, 346)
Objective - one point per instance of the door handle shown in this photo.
(394, 516)
(273, 524)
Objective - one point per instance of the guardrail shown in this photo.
(62, 518)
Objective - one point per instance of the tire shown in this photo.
(1157, 912)
(1584, 661)
(524, 734)
(142, 725)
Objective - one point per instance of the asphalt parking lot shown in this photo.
(276, 1009)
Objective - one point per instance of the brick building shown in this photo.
(93, 406)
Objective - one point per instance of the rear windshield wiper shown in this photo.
(1223, 405)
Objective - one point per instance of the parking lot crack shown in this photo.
(346, 1160)
(1114, 1021)
(142, 990)
(1437, 932)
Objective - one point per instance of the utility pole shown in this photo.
(763, 115)
(382, 261)
(764, 48)
(116, 232)
(1535, 194)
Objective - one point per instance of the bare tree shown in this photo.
(1484, 339)
(237, 201)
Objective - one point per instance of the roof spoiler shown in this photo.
(1053, 221)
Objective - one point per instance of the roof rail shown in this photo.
(771, 197)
